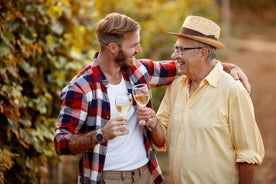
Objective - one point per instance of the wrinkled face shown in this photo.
(187, 55)
(130, 47)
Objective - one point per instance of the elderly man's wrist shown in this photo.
(154, 127)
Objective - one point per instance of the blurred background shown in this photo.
(43, 44)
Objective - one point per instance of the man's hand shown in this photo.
(115, 127)
(146, 117)
(237, 73)
(80, 143)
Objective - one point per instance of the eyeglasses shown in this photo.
(181, 50)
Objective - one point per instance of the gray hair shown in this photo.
(212, 54)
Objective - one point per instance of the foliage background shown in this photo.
(43, 44)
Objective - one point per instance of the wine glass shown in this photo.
(123, 103)
(141, 94)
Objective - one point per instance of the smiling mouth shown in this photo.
(180, 64)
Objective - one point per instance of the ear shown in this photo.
(204, 53)
(113, 48)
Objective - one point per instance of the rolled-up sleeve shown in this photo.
(245, 133)
(72, 115)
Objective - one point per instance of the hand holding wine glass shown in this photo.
(141, 94)
(123, 103)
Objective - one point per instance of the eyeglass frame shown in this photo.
(181, 50)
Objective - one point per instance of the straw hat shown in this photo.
(202, 30)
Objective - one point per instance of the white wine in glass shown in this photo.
(123, 103)
(141, 94)
(123, 108)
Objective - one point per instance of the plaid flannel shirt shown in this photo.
(85, 107)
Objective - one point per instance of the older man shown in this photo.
(206, 118)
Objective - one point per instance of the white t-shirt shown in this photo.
(125, 152)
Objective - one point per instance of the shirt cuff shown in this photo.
(250, 157)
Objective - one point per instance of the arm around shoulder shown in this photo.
(237, 73)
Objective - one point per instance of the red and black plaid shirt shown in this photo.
(85, 107)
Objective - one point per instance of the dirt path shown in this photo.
(255, 45)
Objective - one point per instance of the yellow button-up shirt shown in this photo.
(209, 132)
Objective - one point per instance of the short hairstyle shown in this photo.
(113, 28)
(211, 50)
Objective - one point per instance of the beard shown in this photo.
(121, 59)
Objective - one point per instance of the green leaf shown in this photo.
(13, 71)
(30, 70)
(4, 49)
(7, 37)
(12, 26)
(29, 163)
(27, 36)
(26, 122)
(38, 145)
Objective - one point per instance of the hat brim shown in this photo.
(214, 43)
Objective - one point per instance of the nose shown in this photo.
(174, 55)
(138, 49)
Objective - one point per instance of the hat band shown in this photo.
(196, 33)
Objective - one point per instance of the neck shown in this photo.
(202, 71)
(110, 69)
(200, 74)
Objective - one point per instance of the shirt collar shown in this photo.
(212, 78)
(98, 75)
